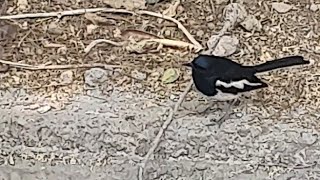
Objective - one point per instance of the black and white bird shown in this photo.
(223, 79)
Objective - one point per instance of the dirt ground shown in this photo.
(92, 123)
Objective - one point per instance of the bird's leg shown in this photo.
(226, 115)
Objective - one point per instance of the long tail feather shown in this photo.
(280, 63)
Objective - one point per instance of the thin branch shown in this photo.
(180, 26)
(65, 13)
(109, 10)
(52, 67)
(163, 129)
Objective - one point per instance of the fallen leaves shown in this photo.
(170, 75)
(7, 31)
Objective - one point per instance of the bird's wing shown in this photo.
(240, 85)
(207, 85)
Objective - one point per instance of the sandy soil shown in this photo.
(108, 138)
(54, 126)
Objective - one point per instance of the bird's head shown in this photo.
(200, 62)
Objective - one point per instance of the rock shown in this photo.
(221, 1)
(66, 77)
(138, 75)
(251, 23)
(226, 46)
(281, 7)
(44, 109)
(96, 76)
(152, 1)
(314, 7)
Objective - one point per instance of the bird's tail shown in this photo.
(280, 63)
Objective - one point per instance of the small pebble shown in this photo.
(239, 115)
(314, 7)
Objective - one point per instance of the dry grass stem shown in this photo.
(109, 10)
(97, 41)
(180, 26)
(51, 67)
(65, 13)
(163, 129)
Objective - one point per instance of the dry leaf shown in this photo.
(3, 8)
(170, 75)
(3, 67)
(127, 4)
(8, 32)
(281, 7)
(172, 10)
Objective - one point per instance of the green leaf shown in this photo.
(170, 75)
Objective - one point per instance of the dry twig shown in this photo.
(109, 10)
(51, 67)
(180, 26)
(163, 128)
(97, 41)
(65, 13)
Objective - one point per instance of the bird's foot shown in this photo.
(226, 114)
(220, 121)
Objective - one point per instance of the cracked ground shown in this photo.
(50, 129)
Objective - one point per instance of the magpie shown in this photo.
(223, 79)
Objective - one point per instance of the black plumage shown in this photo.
(219, 76)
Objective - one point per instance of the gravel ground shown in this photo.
(109, 137)
(99, 124)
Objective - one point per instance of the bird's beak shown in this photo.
(187, 64)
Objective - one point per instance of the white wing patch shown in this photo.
(237, 84)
